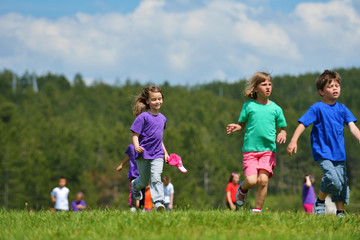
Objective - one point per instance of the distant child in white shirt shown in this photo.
(168, 193)
(59, 195)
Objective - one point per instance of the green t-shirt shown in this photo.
(261, 123)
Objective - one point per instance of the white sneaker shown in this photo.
(160, 208)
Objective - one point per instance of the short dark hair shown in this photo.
(62, 177)
(327, 77)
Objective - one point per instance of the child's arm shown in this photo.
(293, 143)
(354, 130)
(228, 199)
(53, 199)
(233, 127)
(171, 201)
(308, 181)
(127, 158)
(166, 155)
(281, 137)
(135, 140)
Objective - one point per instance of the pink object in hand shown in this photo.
(175, 160)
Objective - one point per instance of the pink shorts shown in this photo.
(255, 161)
(309, 208)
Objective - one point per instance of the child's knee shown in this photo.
(331, 184)
(263, 181)
(251, 180)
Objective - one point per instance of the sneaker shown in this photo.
(132, 209)
(255, 210)
(240, 196)
(341, 215)
(137, 194)
(160, 208)
(319, 208)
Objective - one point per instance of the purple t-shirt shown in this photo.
(150, 129)
(308, 194)
(75, 203)
(133, 171)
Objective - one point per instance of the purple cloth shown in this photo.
(308, 195)
(150, 129)
(133, 171)
(75, 203)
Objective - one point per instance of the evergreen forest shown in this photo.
(63, 127)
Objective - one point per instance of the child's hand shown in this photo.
(166, 157)
(119, 168)
(139, 149)
(232, 127)
(281, 137)
(292, 147)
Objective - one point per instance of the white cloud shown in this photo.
(219, 39)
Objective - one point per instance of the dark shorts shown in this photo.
(334, 180)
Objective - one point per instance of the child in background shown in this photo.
(327, 140)
(308, 194)
(147, 138)
(168, 193)
(79, 204)
(59, 195)
(132, 174)
(261, 117)
(148, 205)
(231, 190)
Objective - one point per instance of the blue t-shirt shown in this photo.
(327, 134)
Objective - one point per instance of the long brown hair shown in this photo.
(140, 101)
(251, 85)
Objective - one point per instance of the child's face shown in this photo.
(264, 89)
(331, 91)
(155, 101)
(62, 182)
(236, 178)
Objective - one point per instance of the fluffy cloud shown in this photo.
(221, 39)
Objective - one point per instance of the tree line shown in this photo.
(64, 127)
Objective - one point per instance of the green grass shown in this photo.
(187, 224)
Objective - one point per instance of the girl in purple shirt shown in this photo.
(308, 194)
(147, 139)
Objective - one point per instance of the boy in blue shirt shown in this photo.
(327, 140)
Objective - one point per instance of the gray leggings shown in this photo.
(150, 171)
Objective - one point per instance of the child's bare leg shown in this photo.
(340, 206)
(322, 196)
(262, 182)
(249, 182)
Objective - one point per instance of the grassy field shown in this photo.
(187, 224)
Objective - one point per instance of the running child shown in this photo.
(261, 117)
(133, 173)
(327, 140)
(147, 138)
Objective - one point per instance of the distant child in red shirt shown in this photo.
(231, 189)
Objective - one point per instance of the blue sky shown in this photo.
(53, 9)
(181, 41)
